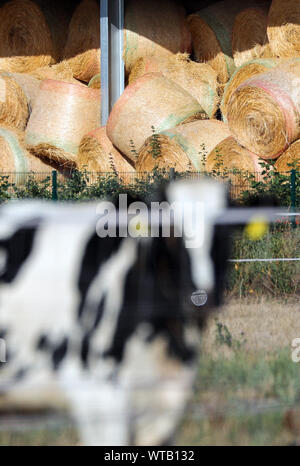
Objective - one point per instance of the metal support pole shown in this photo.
(54, 185)
(112, 66)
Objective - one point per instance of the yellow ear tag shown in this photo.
(257, 228)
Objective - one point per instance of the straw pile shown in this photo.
(156, 28)
(184, 147)
(82, 50)
(289, 159)
(212, 34)
(95, 82)
(13, 104)
(264, 112)
(15, 158)
(60, 72)
(199, 79)
(284, 28)
(246, 71)
(152, 103)
(249, 35)
(96, 153)
(62, 115)
(25, 39)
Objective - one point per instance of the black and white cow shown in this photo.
(106, 325)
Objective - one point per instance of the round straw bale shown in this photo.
(15, 160)
(152, 103)
(60, 72)
(249, 35)
(96, 153)
(289, 159)
(184, 147)
(212, 29)
(199, 79)
(29, 85)
(95, 82)
(156, 28)
(14, 109)
(244, 72)
(63, 113)
(25, 39)
(264, 112)
(284, 28)
(82, 50)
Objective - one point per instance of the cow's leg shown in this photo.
(100, 410)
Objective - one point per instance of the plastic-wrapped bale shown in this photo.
(15, 160)
(244, 72)
(95, 82)
(97, 154)
(82, 50)
(151, 104)
(29, 85)
(154, 28)
(184, 147)
(14, 110)
(212, 35)
(199, 79)
(264, 112)
(284, 28)
(63, 113)
(25, 39)
(289, 159)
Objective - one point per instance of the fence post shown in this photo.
(293, 196)
(54, 185)
(172, 173)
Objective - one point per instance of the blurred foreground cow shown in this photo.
(106, 325)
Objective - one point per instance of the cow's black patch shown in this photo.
(18, 248)
(59, 353)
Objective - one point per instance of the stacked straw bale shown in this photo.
(289, 159)
(199, 79)
(284, 28)
(59, 72)
(28, 84)
(152, 103)
(15, 158)
(25, 39)
(96, 153)
(244, 72)
(82, 50)
(14, 111)
(218, 34)
(95, 82)
(184, 147)
(264, 112)
(155, 28)
(63, 113)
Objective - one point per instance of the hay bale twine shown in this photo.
(63, 113)
(284, 28)
(25, 39)
(96, 153)
(82, 50)
(244, 72)
(184, 147)
(264, 112)
(15, 160)
(95, 82)
(289, 159)
(152, 103)
(14, 111)
(249, 35)
(199, 79)
(212, 29)
(156, 28)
